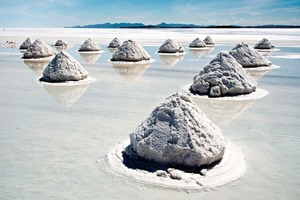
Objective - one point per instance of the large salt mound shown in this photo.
(248, 57)
(130, 51)
(197, 43)
(38, 49)
(62, 68)
(209, 41)
(25, 44)
(264, 44)
(115, 43)
(223, 76)
(177, 133)
(170, 46)
(89, 45)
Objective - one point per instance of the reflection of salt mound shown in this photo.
(89, 45)
(170, 46)
(223, 76)
(209, 41)
(37, 66)
(197, 43)
(115, 43)
(131, 72)
(170, 60)
(66, 95)
(63, 67)
(248, 57)
(90, 57)
(38, 49)
(25, 44)
(198, 52)
(264, 44)
(130, 51)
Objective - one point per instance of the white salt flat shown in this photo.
(91, 52)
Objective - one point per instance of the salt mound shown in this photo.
(264, 44)
(248, 57)
(25, 44)
(115, 43)
(209, 41)
(38, 49)
(130, 51)
(177, 133)
(197, 43)
(170, 46)
(89, 45)
(223, 76)
(60, 43)
(63, 67)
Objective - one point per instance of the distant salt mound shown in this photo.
(63, 67)
(130, 51)
(38, 49)
(223, 76)
(89, 45)
(60, 43)
(197, 43)
(209, 41)
(264, 44)
(115, 43)
(248, 57)
(25, 44)
(170, 46)
(177, 133)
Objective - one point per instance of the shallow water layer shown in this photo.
(53, 142)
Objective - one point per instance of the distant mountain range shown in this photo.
(171, 25)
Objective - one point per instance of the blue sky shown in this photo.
(60, 13)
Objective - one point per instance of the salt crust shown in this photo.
(68, 83)
(259, 93)
(172, 54)
(231, 167)
(142, 62)
(91, 52)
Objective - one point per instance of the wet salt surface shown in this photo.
(53, 142)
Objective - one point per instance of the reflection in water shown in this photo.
(131, 72)
(257, 74)
(60, 48)
(171, 60)
(66, 95)
(222, 112)
(90, 57)
(198, 52)
(37, 66)
(112, 50)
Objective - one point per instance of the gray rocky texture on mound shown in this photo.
(89, 45)
(197, 43)
(130, 51)
(223, 76)
(170, 46)
(115, 43)
(178, 133)
(264, 44)
(209, 41)
(248, 57)
(38, 49)
(60, 43)
(25, 44)
(64, 67)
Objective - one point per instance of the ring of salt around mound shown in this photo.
(265, 68)
(199, 48)
(48, 58)
(172, 54)
(68, 83)
(259, 93)
(267, 50)
(142, 62)
(210, 45)
(91, 52)
(230, 168)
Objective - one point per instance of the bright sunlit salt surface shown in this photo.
(53, 141)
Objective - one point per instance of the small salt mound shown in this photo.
(248, 57)
(25, 44)
(130, 51)
(38, 49)
(209, 41)
(223, 76)
(170, 46)
(264, 44)
(63, 67)
(197, 43)
(115, 43)
(60, 43)
(89, 45)
(177, 133)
